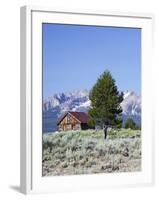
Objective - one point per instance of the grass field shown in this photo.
(85, 152)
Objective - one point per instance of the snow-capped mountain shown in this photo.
(73, 101)
(131, 104)
(78, 100)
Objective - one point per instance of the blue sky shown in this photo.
(74, 56)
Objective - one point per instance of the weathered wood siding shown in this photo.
(69, 123)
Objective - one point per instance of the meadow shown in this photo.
(87, 152)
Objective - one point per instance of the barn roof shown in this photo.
(81, 116)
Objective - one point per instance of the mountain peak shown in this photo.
(78, 100)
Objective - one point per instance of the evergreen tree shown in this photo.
(130, 124)
(105, 101)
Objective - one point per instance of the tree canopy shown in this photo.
(105, 101)
(131, 124)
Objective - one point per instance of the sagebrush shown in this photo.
(85, 152)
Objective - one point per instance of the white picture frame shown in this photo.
(31, 97)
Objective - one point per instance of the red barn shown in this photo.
(73, 121)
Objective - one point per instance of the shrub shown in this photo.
(130, 124)
(76, 152)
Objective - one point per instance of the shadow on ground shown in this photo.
(15, 188)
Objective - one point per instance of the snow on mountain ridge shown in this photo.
(79, 100)
(57, 104)
(131, 104)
